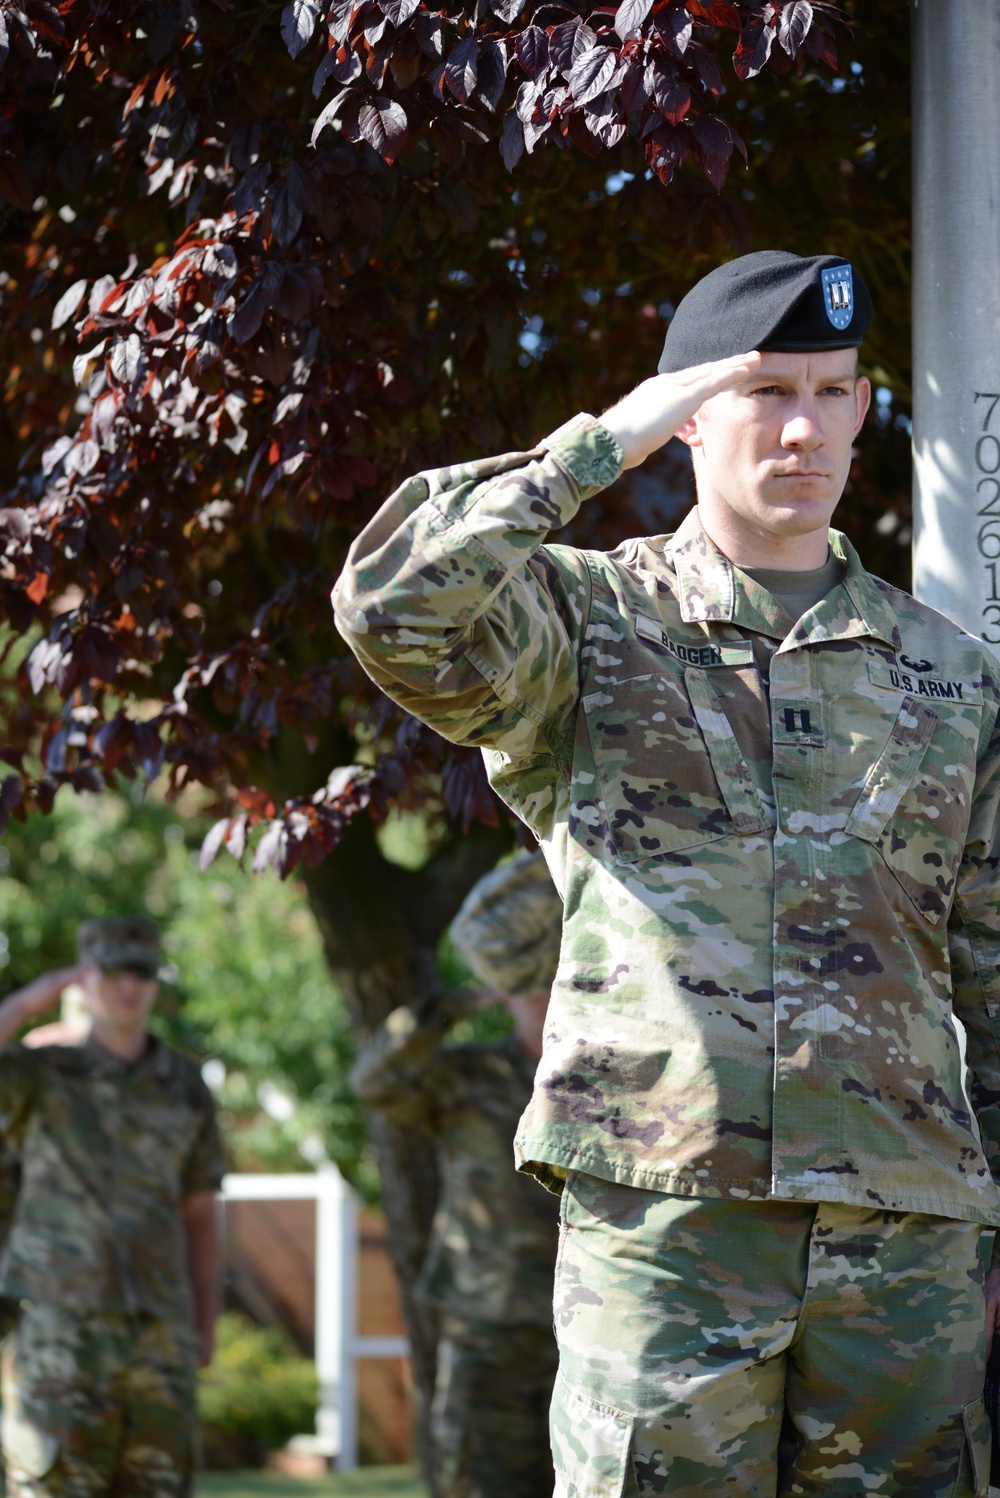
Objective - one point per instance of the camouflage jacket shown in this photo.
(108, 1151)
(777, 841)
(493, 1242)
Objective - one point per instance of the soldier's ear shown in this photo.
(863, 397)
(690, 432)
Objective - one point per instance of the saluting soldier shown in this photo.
(492, 1248)
(766, 784)
(112, 1254)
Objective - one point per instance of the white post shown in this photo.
(956, 310)
(336, 1284)
(338, 1345)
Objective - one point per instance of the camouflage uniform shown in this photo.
(98, 1376)
(776, 841)
(491, 1255)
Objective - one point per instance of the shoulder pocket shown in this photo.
(670, 771)
(591, 1446)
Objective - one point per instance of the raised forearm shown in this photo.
(34, 999)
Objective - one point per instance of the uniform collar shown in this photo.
(101, 1062)
(707, 591)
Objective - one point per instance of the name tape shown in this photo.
(940, 688)
(691, 652)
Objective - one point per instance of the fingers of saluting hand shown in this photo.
(40, 995)
(655, 410)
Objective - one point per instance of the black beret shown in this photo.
(768, 300)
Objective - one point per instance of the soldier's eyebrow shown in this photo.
(786, 377)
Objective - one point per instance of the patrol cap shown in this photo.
(768, 300)
(509, 927)
(120, 941)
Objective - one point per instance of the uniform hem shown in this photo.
(550, 1165)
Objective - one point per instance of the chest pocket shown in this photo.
(914, 806)
(670, 770)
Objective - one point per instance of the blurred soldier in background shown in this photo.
(490, 1262)
(112, 1254)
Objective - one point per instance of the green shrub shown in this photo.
(256, 1395)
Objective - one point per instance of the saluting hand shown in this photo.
(655, 410)
(38, 996)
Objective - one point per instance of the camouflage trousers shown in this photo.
(97, 1404)
(772, 1348)
(490, 1412)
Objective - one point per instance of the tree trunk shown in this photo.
(380, 926)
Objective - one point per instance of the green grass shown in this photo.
(366, 1482)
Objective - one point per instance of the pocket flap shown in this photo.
(591, 1446)
(892, 771)
(979, 1441)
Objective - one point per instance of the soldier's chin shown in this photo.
(799, 513)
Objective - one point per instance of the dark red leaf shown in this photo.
(236, 838)
(249, 314)
(507, 10)
(592, 74)
(532, 47)
(512, 140)
(675, 26)
(670, 92)
(754, 49)
(633, 88)
(348, 96)
(213, 841)
(460, 70)
(666, 149)
(38, 587)
(492, 73)
(253, 799)
(136, 95)
(793, 25)
(125, 362)
(399, 11)
(383, 125)
(272, 850)
(286, 215)
(708, 68)
(68, 304)
(429, 33)
(604, 121)
(820, 47)
(570, 40)
(719, 12)
(629, 17)
(298, 22)
(714, 144)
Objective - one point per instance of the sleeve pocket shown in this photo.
(591, 1446)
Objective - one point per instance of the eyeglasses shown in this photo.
(137, 969)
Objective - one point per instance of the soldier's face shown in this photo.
(772, 455)
(120, 998)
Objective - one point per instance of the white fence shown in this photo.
(338, 1345)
